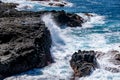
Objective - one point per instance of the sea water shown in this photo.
(100, 33)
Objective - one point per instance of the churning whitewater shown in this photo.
(100, 33)
(66, 42)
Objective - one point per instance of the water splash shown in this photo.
(65, 42)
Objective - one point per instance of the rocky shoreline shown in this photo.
(25, 41)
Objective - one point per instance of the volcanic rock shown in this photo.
(71, 20)
(25, 42)
(114, 57)
(83, 63)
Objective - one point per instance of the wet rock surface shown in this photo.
(24, 39)
(83, 63)
(24, 42)
(112, 58)
(71, 20)
(61, 17)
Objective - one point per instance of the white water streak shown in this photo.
(64, 45)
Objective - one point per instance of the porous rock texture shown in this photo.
(24, 42)
(83, 63)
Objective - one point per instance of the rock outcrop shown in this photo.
(24, 42)
(61, 17)
(71, 20)
(83, 63)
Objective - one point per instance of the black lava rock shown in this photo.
(71, 20)
(25, 43)
(83, 63)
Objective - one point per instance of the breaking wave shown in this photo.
(65, 42)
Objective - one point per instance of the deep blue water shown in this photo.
(110, 30)
(110, 9)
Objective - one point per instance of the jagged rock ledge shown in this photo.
(61, 17)
(25, 41)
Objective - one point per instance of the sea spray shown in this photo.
(54, 29)
(65, 42)
(92, 19)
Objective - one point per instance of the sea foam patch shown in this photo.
(25, 4)
(38, 5)
(54, 3)
(92, 19)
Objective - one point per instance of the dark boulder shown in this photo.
(83, 63)
(25, 43)
(23, 47)
(64, 18)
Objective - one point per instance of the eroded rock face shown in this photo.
(83, 63)
(24, 40)
(24, 43)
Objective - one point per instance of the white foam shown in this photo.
(55, 3)
(23, 4)
(29, 5)
(13, 1)
(92, 20)
(24, 7)
(101, 74)
(65, 42)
